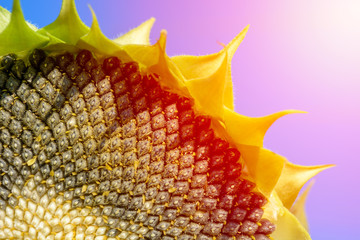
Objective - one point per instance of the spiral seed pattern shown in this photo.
(97, 149)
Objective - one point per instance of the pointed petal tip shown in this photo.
(17, 35)
(93, 15)
(235, 42)
(92, 11)
(68, 26)
(275, 116)
(293, 178)
(16, 12)
(162, 39)
(163, 33)
(138, 36)
(246, 28)
(296, 111)
(251, 130)
(152, 20)
(16, 8)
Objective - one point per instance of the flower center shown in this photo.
(98, 148)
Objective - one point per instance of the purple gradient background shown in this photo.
(297, 54)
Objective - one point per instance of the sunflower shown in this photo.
(114, 139)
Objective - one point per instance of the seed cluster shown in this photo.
(96, 149)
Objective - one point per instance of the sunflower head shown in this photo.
(114, 139)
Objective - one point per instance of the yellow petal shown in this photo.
(264, 167)
(231, 49)
(293, 179)
(193, 67)
(143, 54)
(289, 228)
(139, 35)
(202, 67)
(68, 26)
(273, 207)
(250, 130)
(172, 78)
(298, 209)
(208, 91)
(155, 59)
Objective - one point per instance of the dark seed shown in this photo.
(97, 74)
(64, 60)
(12, 84)
(129, 68)
(3, 79)
(18, 68)
(83, 57)
(110, 64)
(7, 61)
(73, 70)
(36, 58)
(30, 74)
(202, 122)
(47, 65)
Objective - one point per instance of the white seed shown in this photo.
(44, 201)
(8, 222)
(28, 217)
(9, 212)
(52, 207)
(65, 220)
(68, 228)
(90, 230)
(40, 211)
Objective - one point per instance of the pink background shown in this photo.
(297, 54)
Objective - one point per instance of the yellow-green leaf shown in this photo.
(18, 36)
(4, 18)
(96, 41)
(68, 26)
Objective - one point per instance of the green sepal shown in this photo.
(18, 36)
(68, 26)
(4, 18)
(52, 39)
(97, 42)
(59, 48)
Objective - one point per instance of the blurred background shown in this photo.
(297, 55)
